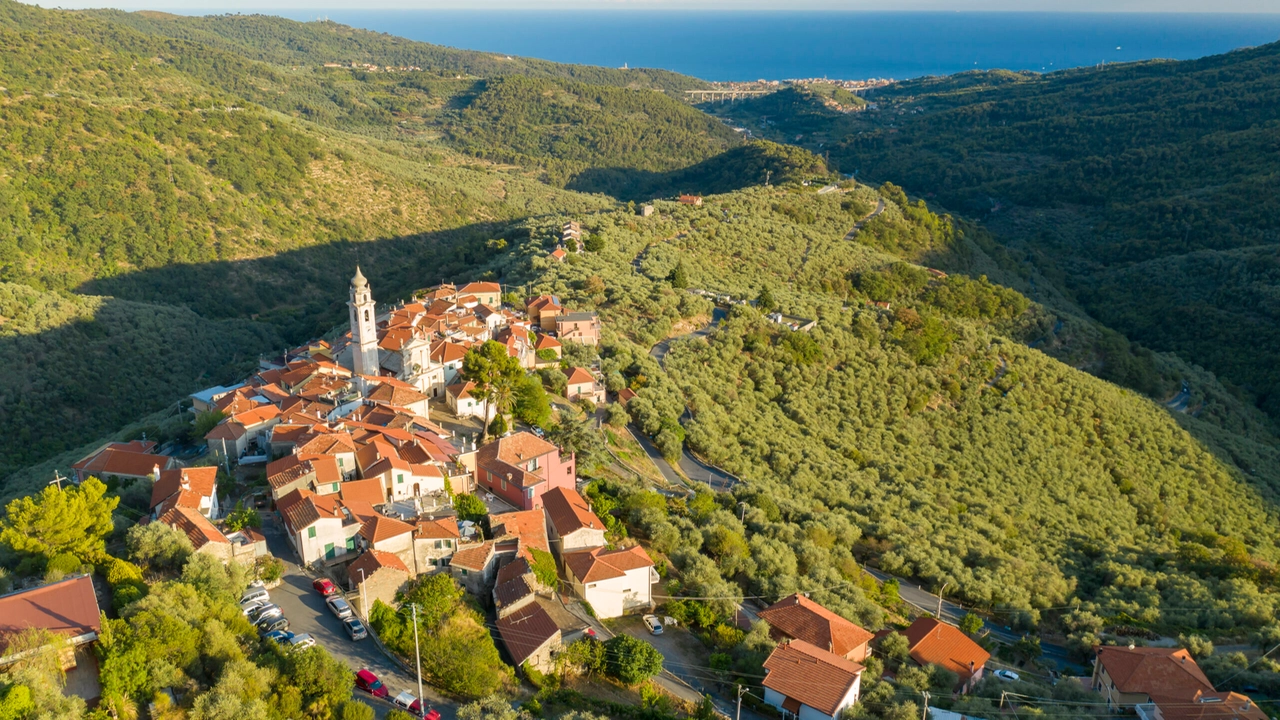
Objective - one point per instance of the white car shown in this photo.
(651, 622)
(262, 612)
(339, 607)
(404, 699)
(252, 607)
(1006, 675)
(301, 641)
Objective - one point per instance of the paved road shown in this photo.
(858, 225)
(307, 613)
(684, 670)
(922, 599)
(659, 351)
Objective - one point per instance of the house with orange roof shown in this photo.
(377, 575)
(613, 582)
(931, 642)
(449, 356)
(521, 467)
(796, 617)
(398, 395)
(204, 536)
(434, 542)
(571, 524)
(130, 460)
(625, 395)
(318, 526)
(68, 608)
(1164, 684)
(369, 490)
(559, 254)
(237, 434)
(805, 682)
(195, 488)
(527, 526)
(390, 535)
(582, 385)
(543, 311)
(488, 293)
(474, 566)
(548, 350)
(337, 444)
(464, 402)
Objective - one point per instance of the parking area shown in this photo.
(307, 613)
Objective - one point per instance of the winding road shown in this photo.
(871, 216)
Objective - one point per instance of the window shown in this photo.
(533, 464)
(335, 487)
(311, 532)
(591, 586)
(448, 544)
(464, 573)
(339, 462)
(504, 485)
(400, 479)
(439, 544)
(366, 315)
(351, 543)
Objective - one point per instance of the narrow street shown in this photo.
(308, 613)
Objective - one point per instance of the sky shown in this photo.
(216, 6)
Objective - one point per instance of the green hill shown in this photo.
(926, 437)
(1146, 190)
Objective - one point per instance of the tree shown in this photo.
(532, 405)
(158, 546)
(469, 507)
(895, 648)
(1027, 648)
(971, 624)
(75, 521)
(631, 661)
(491, 707)
(206, 421)
(242, 517)
(679, 278)
(488, 365)
(765, 301)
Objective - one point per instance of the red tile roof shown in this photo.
(1213, 706)
(800, 618)
(936, 642)
(371, 561)
(810, 675)
(370, 491)
(600, 564)
(199, 480)
(112, 461)
(479, 287)
(529, 526)
(388, 394)
(579, 376)
(68, 608)
(473, 557)
(197, 527)
(381, 527)
(1164, 674)
(301, 508)
(285, 470)
(526, 630)
(437, 529)
(569, 512)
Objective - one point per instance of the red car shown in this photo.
(370, 683)
(416, 710)
(324, 586)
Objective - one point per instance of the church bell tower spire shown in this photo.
(364, 328)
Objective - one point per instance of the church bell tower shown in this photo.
(364, 327)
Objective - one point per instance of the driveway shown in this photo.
(307, 613)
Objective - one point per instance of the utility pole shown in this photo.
(417, 656)
(925, 715)
(364, 605)
(741, 689)
(767, 174)
(944, 589)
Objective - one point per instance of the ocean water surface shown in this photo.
(846, 45)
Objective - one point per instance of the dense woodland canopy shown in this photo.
(1146, 190)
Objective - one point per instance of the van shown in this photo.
(254, 593)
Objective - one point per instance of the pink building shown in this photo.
(520, 468)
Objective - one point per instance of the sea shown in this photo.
(777, 45)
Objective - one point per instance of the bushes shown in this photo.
(631, 661)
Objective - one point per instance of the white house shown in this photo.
(613, 582)
(806, 682)
(319, 527)
(464, 404)
(570, 523)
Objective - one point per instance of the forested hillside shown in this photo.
(1147, 190)
(926, 436)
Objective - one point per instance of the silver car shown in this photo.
(654, 625)
(266, 611)
(355, 628)
(340, 607)
(301, 641)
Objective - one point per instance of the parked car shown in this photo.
(255, 593)
(651, 622)
(324, 586)
(355, 628)
(301, 641)
(590, 632)
(415, 706)
(280, 636)
(339, 607)
(265, 611)
(252, 607)
(1006, 675)
(368, 682)
(272, 624)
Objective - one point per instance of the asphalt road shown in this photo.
(858, 225)
(308, 613)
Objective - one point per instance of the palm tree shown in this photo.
(503, 396)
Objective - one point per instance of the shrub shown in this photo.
(631, 661)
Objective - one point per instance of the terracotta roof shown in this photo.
(800, 618)
(579, 376)
(197, 527)
(530, 526)
(69, 608)
(286, 470)
(517, 448)
(328, 443)
(625, 394)
(810, 675)
(381, 527)
(480, 287)
(473, 557)
(437, 529)
(559, 253)
(526, 630)
(370, 491)
(301, 508)
(326, 467)
(514, 569)
(569, 512)
(1164, 674)
(1213, 706)
(371, 561)
(546, 342)
(600, 564)
(392, 395)
(199, 480)
(936, 642)
(113, 461)
(461, 391)
(543, 301)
